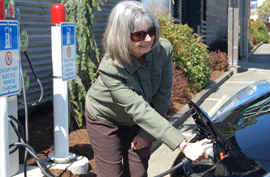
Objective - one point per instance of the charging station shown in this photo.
(10, 85)
(13, 81)
(64, 69)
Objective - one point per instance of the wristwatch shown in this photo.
(183, 144)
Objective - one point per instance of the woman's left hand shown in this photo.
(139, 143)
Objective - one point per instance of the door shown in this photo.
(191, 14)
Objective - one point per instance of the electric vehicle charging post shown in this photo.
(64, 69)
(10, 82)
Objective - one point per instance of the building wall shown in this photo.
(35, 18)
(216, 19)
(216, 22)
(101, 20)
(176, 11)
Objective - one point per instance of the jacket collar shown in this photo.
(134, 65)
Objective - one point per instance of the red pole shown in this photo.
(2, 10)
(58, 14)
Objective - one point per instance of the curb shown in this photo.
(254, 49)
(182, 115)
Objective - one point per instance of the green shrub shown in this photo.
(189, 51)
(262, 31)
(81, 13)
(258, 30)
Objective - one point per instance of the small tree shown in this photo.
(258, 30)
(81, 13)
(264, 9)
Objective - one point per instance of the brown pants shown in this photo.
(113, 154)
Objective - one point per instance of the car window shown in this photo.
(243, 97)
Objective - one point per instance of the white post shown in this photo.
(60, 103)
(242, 28)
(235, 32)
(13, 138)
(246, 11)
(230, 33)
(10, 83)
(4, 143)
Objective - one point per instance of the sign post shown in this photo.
(10, 83)
(64, 69)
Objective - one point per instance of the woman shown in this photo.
(126, 106)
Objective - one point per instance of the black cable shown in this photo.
(28, 148)
(31, 151)
(185, 161)
(30, 63)
(39, 82)
(26, 108)
(21, 130)
(41, 95)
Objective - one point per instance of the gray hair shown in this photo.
(125, 18)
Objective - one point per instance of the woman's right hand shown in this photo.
(195, 151)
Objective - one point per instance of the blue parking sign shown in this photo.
(10, 66)
(68, 41)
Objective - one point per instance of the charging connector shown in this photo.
(209, 149)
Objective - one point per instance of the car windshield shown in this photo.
(243, 97)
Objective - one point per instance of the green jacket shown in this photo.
(138, 94)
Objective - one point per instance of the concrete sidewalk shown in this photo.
(210, 99)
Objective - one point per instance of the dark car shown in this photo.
(240, 132)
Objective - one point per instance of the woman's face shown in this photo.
(141, 47)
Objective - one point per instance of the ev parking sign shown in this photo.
(68, 33)
(10, 70)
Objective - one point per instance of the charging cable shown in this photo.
(185, 161)
(40, 85)
(26, 111)
(28, 148)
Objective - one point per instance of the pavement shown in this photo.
(210, 99)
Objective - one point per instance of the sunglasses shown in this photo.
(141, 35)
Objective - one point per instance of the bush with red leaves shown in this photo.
(180, 81)
(219, 61)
